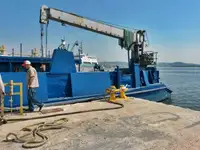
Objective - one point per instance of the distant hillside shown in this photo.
(114, 64)
(160, 64)
(177, 64)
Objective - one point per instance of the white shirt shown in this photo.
(31, 72)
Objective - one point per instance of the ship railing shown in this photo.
(10, 94)
(148, 58)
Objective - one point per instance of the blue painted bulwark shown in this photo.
(145, 77)
(157, 76)
(59, 85)
(136, 76)
(113, 78)
(155, 92)
(126, 80)
(42, 92)
(89, 83)
(62, 62)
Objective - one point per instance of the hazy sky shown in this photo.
(173, 26)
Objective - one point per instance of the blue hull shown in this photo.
(157, 93)
(65, 85)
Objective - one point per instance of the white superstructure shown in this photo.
(87, 62)
(85, 59)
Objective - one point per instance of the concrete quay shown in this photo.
(140, 125)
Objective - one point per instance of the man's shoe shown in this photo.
(40, 108)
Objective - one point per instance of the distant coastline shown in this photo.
(177, 64)
(160, 64)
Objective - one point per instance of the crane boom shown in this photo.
(47, 14)
(130, 40)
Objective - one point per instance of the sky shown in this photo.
(173, 26)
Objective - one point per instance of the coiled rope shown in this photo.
(33, 132)
(29, 139)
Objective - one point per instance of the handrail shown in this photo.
(11, 94)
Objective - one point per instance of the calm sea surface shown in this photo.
(185, 84)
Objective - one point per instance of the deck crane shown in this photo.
(75, 44)
(130, 40)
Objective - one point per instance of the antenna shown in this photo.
(13, 52)
(42, 35)
(75, 44)
(81, 47)
(62, 45)
(46, 27)
(68, 46)
(20, 49)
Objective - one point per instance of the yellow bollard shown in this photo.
(122, 91)
(112, 91)
(21, 99)
(11, 94)
(2, 105)
(112, 96)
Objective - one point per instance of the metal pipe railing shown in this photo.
(11, 84)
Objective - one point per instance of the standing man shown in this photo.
(32, 85)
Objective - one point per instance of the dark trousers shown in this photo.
(32, 100)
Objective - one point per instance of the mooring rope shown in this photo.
(34, 131)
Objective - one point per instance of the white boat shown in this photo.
(87, 62)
